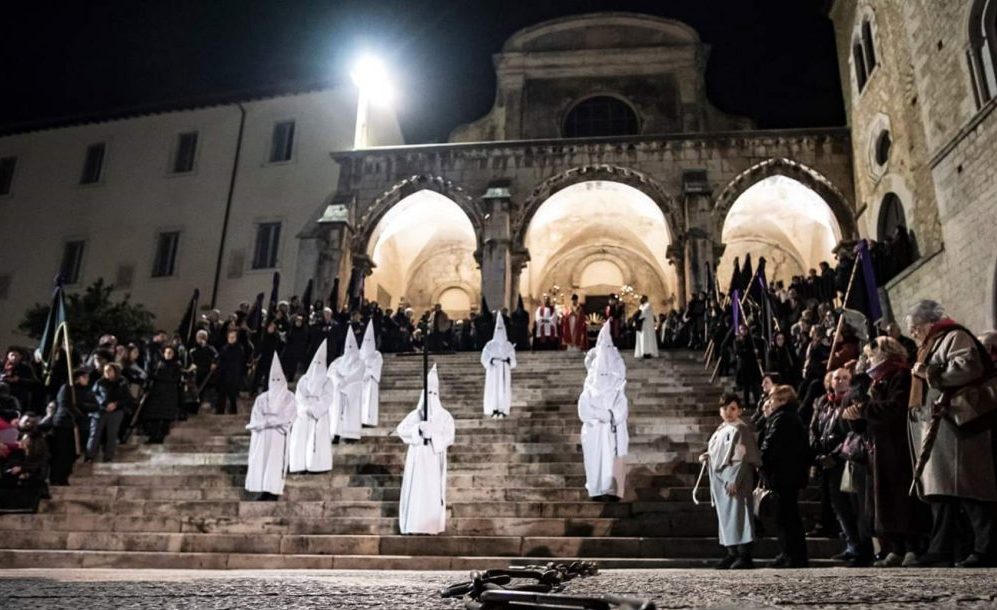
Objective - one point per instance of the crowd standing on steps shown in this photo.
(893, 427)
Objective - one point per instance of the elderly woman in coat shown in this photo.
(959, 473)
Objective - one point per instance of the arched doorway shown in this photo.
(423, 253)
(594, 238)
(891, 217)
(782, 220)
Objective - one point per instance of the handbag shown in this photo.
(973, 407)
(762, 500)
(848, 479)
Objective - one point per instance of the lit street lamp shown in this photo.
(374, 87)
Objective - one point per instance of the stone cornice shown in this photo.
(557, 146)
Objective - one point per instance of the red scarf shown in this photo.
(887, 369)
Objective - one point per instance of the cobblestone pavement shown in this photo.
(273, 590)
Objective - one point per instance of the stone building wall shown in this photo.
(923, 83)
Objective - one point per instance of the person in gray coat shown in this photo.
(959, 474)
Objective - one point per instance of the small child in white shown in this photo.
(731, 460)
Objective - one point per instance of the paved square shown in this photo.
(245, 590)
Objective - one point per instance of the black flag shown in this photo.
(306, 299)
(189, 320)
(735, 277)
(747, 273)
(274, 290)
(334, 296)
(53, 323)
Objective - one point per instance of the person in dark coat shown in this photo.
(113, 401)
(163, 401)
(899, 520)
(519, 327)
(782, 360)
(204, 357)
(20, 377)
(269, 345)
(72, 406)
(231, 368)
(295, 348)
(748, 375)
(785, 462)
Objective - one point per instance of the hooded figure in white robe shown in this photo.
(422, 507)
(499, 358)
(373, 362)
(647, 342)
(311, 440)
(270, 424)
(732, 458)
(602, 407)
(347, 373)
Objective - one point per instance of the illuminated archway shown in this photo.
(423, 250)
(592, 238)
(784, 221)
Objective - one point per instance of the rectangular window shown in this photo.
(72, 261)
(267, 242)
(166, 254)
(183, 159)
(7, 165)
(93, 165)
(282, 143)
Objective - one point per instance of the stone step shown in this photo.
(261, 561)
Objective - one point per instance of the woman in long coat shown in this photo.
(898, 519)
(162, 404)
(959, 474)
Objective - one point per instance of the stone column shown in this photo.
(699, 245)
(496, 279)
(333, 237)
(518, 260)
(676, 257)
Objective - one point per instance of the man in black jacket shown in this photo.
(231, 369)
(72, 406)
(785, 465)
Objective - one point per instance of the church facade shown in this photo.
(602, 168)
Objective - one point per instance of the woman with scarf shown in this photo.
(959, 472)
(897, 517)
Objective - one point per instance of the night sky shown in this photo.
(771, 60)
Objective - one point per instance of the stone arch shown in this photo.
(803, 174)
(626, 269)
(473, 293)
(606, 173)
(368, 220)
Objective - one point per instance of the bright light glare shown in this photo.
(370, 75)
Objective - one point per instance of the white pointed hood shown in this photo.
(348, 367)
(499, 334)
(277, 381)
(314, 377)
(433, 386)
(369, 346)
(607, 370)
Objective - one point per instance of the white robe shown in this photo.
(270, 423)
(733, 453)
(605, 440)
(311, 439)
(422, 507)
(347, 373)
(647, 342)
(371, 394)
(546, 322)
(498, 374)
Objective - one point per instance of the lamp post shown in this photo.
(374, 87)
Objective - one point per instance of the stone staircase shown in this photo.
(515, 486)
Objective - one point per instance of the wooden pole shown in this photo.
(841, 318)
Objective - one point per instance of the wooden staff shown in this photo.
(841, 318)
(928, 442)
